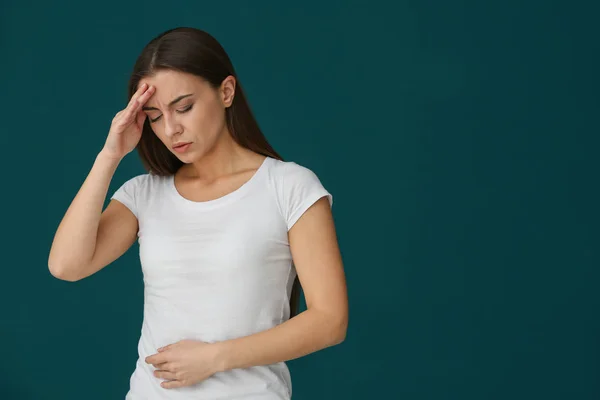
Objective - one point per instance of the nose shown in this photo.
(172, 127)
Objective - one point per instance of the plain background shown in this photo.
(459, 140)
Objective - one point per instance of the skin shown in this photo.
(213, 159)
(214, 166)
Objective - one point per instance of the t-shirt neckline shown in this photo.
(225, 199)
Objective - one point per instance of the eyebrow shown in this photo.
(145, 108)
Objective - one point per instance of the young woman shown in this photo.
(227, 231)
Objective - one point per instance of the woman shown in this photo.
(226, 229)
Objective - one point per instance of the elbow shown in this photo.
(59, 272)
(334, 325)
(339, 330)
(342, 330)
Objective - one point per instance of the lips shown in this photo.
(182, 147)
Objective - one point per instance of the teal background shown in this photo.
(459, 140)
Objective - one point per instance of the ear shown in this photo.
(228, 90)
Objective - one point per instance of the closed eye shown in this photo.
(181, 111)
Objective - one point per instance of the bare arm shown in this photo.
(88, 239)
(314, 247)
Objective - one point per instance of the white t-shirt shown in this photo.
(217, 270)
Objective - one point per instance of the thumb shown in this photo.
(164, 348)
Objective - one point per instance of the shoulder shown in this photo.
(290, 171)
(134, 192)
(138, 180)
(134, 185)
(297, 187)
(146, 180)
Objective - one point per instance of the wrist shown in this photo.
(222, 356)
(105, 165)
(104, 156)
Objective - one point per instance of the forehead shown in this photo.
(170, 84)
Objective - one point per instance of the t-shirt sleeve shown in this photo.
(301, 189)
(127, 194)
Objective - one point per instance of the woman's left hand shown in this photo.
(185, 363)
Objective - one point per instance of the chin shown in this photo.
(184, 159)
(187, 158)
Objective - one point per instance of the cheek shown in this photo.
(158, 131)
(207, 122)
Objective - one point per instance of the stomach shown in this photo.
(258, 382)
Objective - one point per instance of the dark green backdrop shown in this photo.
(459, 140)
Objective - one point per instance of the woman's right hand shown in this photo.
(126, 128)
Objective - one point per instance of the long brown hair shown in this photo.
(196, 52)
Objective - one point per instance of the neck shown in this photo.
(225, 158)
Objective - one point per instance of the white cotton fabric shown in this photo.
(217, 270)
